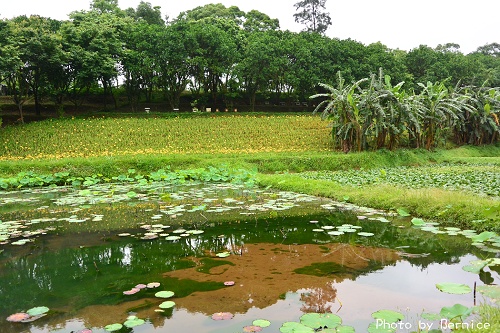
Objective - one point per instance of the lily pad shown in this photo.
(167, 305)
(18, 317)
(113, 327)
(491, 291)
(320, 320)
(453, 288)
(172, 238)
(131, 291)
(261, 322)
(222, 316)
(456, 311)
(37, 311)
(345, 329)
(229, 283)
(388, 316)
(294, 327)
(379, 328)
(252, 328)
(366, 234)
(165, 294)
(133, 321)
(417, 222)
(152, 285)
(223, 254)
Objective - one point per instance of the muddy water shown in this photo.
(282, 265)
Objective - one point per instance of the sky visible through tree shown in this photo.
(397, 24)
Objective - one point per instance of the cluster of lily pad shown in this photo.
(257, 325)
(342, 229)
(316, 322)
(487, 240)
(29, 316)
(156, 231)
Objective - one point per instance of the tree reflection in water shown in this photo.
(319, 300)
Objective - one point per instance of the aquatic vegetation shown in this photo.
(453, 288)
(222, 316)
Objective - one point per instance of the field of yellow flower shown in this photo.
(94, 137)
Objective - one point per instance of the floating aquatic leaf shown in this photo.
(152, 285)
(133, 321)
(261, 322)
(345, 329)
(431, 316)
(167, 305)
(252, 328)
(141, 286)
(195, 232)
(18, 317)
(131, 291)
(318, 230)
(313, 221)
(229, 283)
(484, 236)
(164, 294)
(171, 238)
(318, 320)
(37, 311)
(327, 227)
(403, 212)
(113, 327)
(417, 222)
(223, 254)
(366, 234)
(491, 291)
(124, 234)
(453, 288)
(222, 316)
(388, 316)
(380, 328)
(335, 233)
(294, 327)
(456, 311)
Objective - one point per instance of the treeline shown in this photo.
(219, 55)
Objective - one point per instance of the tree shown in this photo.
(312, 14)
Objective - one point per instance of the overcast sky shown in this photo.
(399, 24)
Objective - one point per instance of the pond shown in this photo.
(97, 256)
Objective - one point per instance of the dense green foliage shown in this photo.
(222, 56)
(372, 113)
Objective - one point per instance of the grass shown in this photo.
(277, 146)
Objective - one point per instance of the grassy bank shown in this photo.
(276, 146)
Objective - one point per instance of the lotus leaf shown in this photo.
(403, 212)
(491, 291)
(318, 230)
(18, 317)
(113, 327)
(294, 327)
(252, 328)
(167, 305)
(366, 234)
(417, 222)
(133, 321)
(318, 320)
(345, 329)
(485, 235)
(378, 328)
(152, 285)
(431, 316)
(456, 311)
(172, 238)
(223, 254)
(37, 311)
(335, 233)
(165, 294)
(388, 316)
(453, 288)
(261, 322)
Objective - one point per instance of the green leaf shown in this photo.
(37, 311)
(113, 327)
(491, 291)
(417, 221)
(388, 316)
(165, 294)
(261, 322)
(453, 288)
(403, 212)
(167, 305)
(133, 321)
(318, 320)
(455, 311)
(294, 327)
